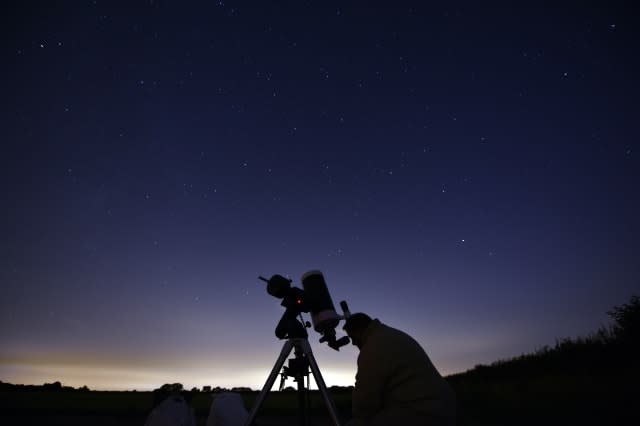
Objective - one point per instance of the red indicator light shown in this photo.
(299, 301)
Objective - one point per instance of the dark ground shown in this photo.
(96, 420)
(545, 401)
(71, 408)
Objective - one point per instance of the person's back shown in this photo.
(397, 382)
(227, 409)
(173, 411)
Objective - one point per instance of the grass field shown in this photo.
(131, 408)
(550, 400)
(584, 400)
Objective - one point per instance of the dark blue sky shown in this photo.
(467, 173)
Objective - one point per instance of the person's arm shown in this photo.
(368, 393)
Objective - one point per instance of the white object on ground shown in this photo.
(227, 409)
(173, 411)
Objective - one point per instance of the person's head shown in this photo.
(355, 326)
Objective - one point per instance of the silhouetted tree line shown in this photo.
(333, 389)
(49, 387)
(216, 389)
(615, 349)
(170, 389)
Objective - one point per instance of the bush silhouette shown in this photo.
(626, 327)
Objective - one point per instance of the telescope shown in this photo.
(313, 298)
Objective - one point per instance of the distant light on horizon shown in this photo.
(136, 377)
(122, 378)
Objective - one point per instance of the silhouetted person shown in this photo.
(396, 383)
(227, 409)
(171, 408)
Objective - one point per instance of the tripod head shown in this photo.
(314, 299)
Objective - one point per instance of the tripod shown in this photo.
(298, 369)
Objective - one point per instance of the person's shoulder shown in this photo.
(392, 335)
(385, 329)
(379, 335)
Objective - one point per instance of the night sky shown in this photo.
(467, 173)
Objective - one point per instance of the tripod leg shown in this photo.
(320, 382)
(286, 350)
(303, 415)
